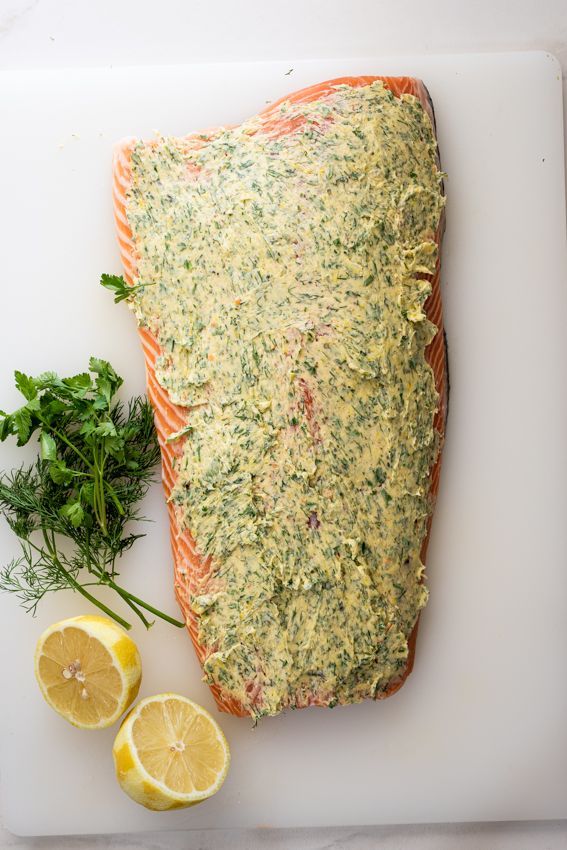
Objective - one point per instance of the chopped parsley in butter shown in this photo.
(288, 304)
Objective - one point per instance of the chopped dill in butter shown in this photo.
(289, 309)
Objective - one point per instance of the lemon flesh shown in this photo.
(170, 753)
(88, 670)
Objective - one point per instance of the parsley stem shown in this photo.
(126, 594)
(114, 498)
(98, 494)
(78, 587)
(66, 441)
(136, 610)
(116, 617)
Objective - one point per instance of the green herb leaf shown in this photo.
(6, 426)
(23, 424)
(48, 446)
(26, 385)
(73, 512)
(105, 429)
(80, 384)
(86, 494)
(60, 472)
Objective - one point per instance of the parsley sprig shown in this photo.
(122, 290)
(71, 508)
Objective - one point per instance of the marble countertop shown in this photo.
(501, 836)
(67, 33)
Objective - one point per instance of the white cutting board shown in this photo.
(479, 731)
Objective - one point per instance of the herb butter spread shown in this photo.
(287, 298)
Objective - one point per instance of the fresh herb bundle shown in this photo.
(71, 508)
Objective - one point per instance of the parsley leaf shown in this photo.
(25, 385)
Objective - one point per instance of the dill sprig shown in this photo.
(71, 508)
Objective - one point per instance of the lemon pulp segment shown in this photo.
(88, 670)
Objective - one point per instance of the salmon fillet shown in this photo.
(190, 568)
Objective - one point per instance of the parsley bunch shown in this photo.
(71, 508)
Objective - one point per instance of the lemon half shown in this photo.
(88, 670)
(170, 753)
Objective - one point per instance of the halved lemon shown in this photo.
(88, 670)
(170, 753)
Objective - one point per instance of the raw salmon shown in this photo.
(189, 566)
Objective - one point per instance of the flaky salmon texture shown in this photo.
(195, 572)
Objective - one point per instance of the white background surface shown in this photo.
(65, 33)
(491, 617)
